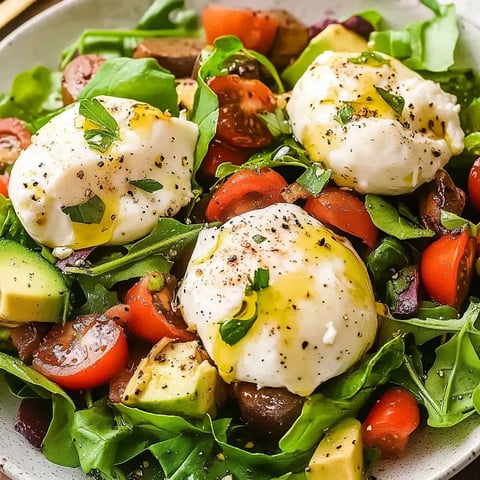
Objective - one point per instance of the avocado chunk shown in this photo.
(334, 37)
(31, 288)
(175, 378)
(339, 454)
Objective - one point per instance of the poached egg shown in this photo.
(316, 317)
(60, 169)
(378, 125)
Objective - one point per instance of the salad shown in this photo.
(237, 246)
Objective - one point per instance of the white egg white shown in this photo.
(375, 150)
(316, 317)
(60, 169)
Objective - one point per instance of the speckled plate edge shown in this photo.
(434, 454)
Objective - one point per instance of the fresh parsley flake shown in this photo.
(397, 102)
(106, 127)
(257, 238)
(147, 184)
(344, 114)
(89, 212)
(368, 57)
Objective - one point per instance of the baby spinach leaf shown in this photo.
(141, 79)
(388, 219)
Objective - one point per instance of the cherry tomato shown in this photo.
(243, 191)
(390, 422)
(220, 152)
(344, 211)
(4, 179)
(447, 266)
(82, 353)
(240, 101)
(255, 29)
(474, 184)
(151, 315)
(14, 136)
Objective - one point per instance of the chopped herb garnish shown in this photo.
(344, 114)
(147, 184)
(259, 238)
(106, 128)
(314, 178)
(233, 330)
(276, 122)
(368, 57)
(89, 212)
(397, 102)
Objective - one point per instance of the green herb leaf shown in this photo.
(261, 278)
(232, 331)
(368, 57)
(314, 178)
(257, 238)
(90, 212)
(147, 184)
(344, 114)
(107, 132)
(276, 122)
(397, 102)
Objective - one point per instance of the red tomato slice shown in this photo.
(344, 211)
(243, 191)
(83, 353)
(220, 152)
(151, 316)
(255, 29)
(447, 266)
(390, 422)
(474, 184)
(240, 101)
(4, 179)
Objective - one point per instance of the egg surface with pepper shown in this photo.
(378, 125)
(68, 192)
(311, 320)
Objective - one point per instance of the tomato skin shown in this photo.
(83, 353)
(255, 30)
(390, 422)
(240, 100)
(342, 210)
(244, 191)
(146, 321)
(220, 152)
(4, 179)
(447, 267)
(474, 184)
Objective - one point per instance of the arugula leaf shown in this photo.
(168, 14)
(344, 114)
(276, 122)
(89, 212)
(397, 102)
(99, 139)
(11, 227)
(147, 184)
(388, 219)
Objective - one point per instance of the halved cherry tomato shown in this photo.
(4, 179)
(14, 136)
(151, 314)
(240, 101)
(447, 266)
(82, 353)
(243, 191)
(390, 422)
(255, 29)
(344, 211)
(474, 184)
(220, 152)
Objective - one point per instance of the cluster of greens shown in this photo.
(109, 441)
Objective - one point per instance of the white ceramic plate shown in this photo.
(433, 454)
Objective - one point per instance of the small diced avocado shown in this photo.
(31, 288)
(339, 455)
(334, 37)
(175, 378)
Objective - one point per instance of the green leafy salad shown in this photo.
(236, 246)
